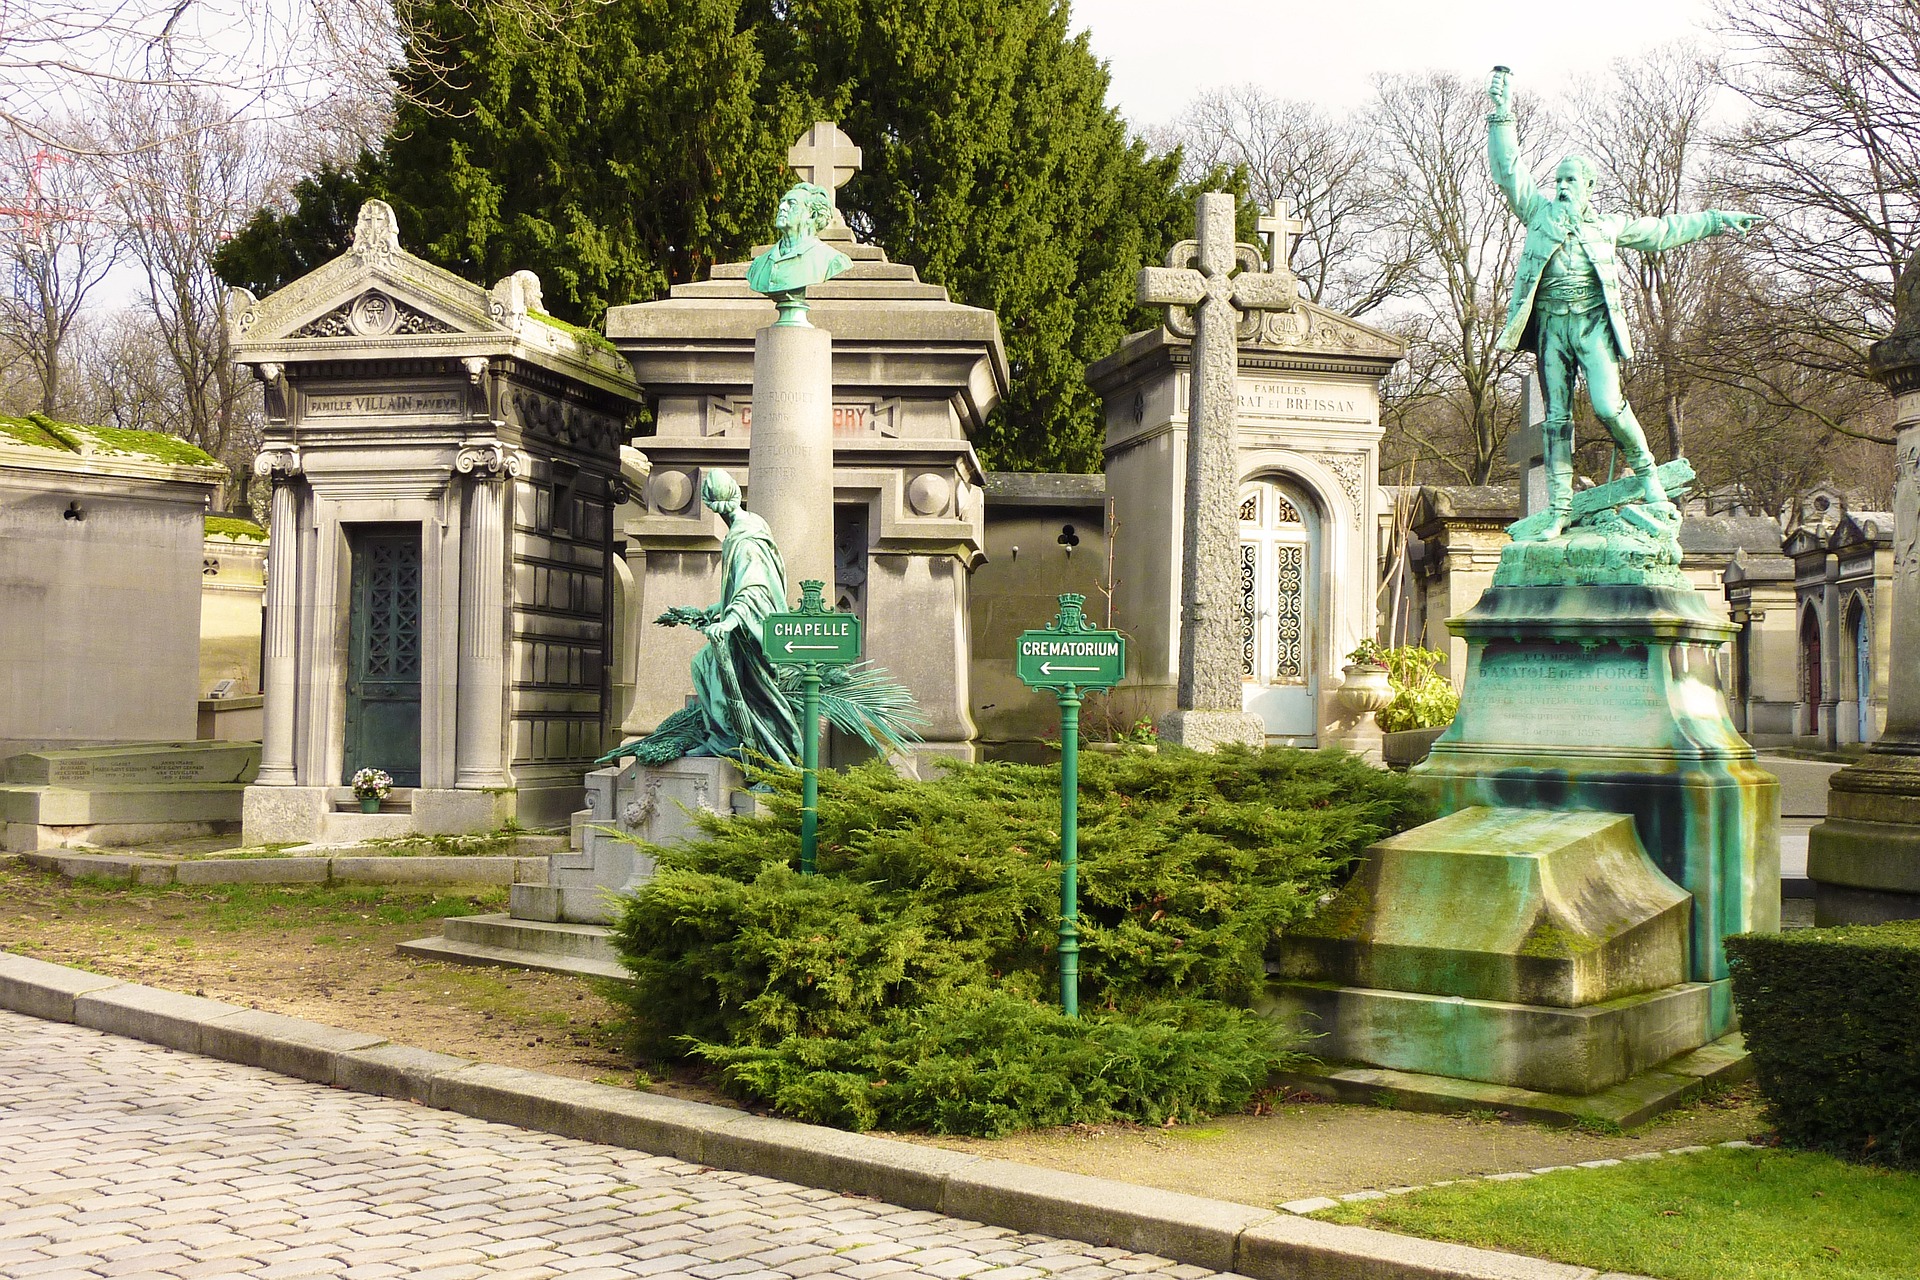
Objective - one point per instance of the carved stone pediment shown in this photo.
(1313, 328)
(376, 290)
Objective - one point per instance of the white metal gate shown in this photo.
(1278, 577)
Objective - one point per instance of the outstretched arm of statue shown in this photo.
(1503, 150)
(1656, 235)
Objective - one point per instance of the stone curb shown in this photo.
(1316, 1203)
(340, 869)
(1218, 1234)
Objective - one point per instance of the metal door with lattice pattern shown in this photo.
(1277, 569)
(383, 652)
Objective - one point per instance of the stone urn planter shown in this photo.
(1365, 688)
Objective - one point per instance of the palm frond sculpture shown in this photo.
(864, 700)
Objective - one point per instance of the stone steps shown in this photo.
(499, 939)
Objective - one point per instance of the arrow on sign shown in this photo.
(825, 648)
(1048, 668)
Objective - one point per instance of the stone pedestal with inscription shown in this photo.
(1600, 816)
(1606, 698)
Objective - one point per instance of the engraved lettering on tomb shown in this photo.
(404, 404)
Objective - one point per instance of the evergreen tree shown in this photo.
(644, 140)
(992, 163)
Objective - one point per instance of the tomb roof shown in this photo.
(1724, 535)
(378, 301)
(105, 449)
(1044, 489)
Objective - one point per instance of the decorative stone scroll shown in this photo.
(277, 461)
(488, 460)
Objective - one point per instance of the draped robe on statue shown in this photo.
(735, 686)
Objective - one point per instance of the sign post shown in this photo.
(1069, 657)
(812, 637)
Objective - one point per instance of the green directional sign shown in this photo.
(832, 638)
(811, 637)
(1086, 658)
(1071, 659)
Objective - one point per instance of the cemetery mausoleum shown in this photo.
(445, 461)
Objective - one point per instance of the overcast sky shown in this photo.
(1163, 52)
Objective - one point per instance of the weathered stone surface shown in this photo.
(276, 815)
(1210, 622)
(1211, 730)
(790, 457)
(628, 805)
(144, 764)
(1552, 1050)
(1607, 698)
(1567, 910)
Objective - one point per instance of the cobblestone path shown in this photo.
(119, 1158)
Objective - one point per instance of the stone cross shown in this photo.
(827, 158)
(1280, 229)
(1217, 297)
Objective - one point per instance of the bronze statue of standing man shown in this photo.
(1566, 306)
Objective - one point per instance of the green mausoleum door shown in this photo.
(383, 656)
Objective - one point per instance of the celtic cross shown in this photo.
(1200, 281)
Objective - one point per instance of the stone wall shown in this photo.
(100, 559)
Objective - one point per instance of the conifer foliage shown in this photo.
(633, 143)
(910, 984)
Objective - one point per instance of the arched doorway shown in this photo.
(1860, 641)
(1279, 607)
(1810, 691)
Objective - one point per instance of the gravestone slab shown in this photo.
(124, 795)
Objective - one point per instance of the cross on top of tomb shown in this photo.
(827, 158)
(1280, 229)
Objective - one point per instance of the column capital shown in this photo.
(489, 460)
(279, 461)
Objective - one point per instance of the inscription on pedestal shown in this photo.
(1557, 694)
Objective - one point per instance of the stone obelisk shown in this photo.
(1864, 860)
(1203, 280)
(790, 449)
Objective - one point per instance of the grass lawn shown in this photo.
(1717, 1215)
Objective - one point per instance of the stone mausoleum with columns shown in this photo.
(445, 461)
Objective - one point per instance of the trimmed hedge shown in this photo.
(1832, 1018)
(910, 984)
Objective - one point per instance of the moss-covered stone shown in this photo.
(36, 430)
(592, 339)
(233, 527)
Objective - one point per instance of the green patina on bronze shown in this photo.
(738, 708)
(800, 259)
(1567, 309)
(1607, 698)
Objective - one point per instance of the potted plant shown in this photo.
(1366, 686)
(370, 787)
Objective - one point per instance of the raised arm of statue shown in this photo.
(1503, 150)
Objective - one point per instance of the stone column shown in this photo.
(790, 447)
(279, 675)
(1864, 860)
(480, 739)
